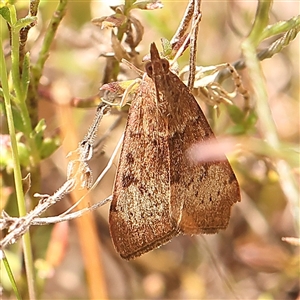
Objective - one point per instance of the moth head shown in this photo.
(158, 66)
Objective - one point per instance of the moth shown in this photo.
(159, 191)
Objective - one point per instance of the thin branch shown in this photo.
(76, 176)
(193, 43)
(184, 24)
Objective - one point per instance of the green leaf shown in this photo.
(238, 129)
(18, 121)
(6, 161)
(245, 126)
(21, 23)
(236, 115)
(38, 133)
(25, 75)
(11, 266)
(251, 120)
(49, 145)
(281, 27)
(4, 12)
(24, 154)
(167, 47)
(40, 127)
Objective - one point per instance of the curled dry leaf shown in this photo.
(117, 87)
(115, 20)
(148, 4)
(119, 50)
(135, 33)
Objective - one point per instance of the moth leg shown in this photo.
(239, 86)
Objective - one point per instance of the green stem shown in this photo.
(280, 27)
(15, 54)
(20, 95)
(10, 274)
(268, 127)
(256, 73)
(37, 69)
(17, 173)
(261, 21)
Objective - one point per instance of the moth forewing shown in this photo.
(140, 210)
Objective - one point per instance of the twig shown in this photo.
(70, 216)
(19, 226)
(34, 4)
(193, 43)
(184, 24)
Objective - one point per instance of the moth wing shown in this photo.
(140, 212)
(201, 193)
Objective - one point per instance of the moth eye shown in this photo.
(149, 69)
(165, 64)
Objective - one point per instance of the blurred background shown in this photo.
(248, 260)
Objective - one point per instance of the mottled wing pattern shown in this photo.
(140, 210)
(159, 191)
(201, 194)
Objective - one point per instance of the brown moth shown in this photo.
(159, 191)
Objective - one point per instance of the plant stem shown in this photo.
(37, 68)
(256, 75)
(17, 173)
(20, 95)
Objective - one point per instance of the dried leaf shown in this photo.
(112, 21)
(147, 5)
